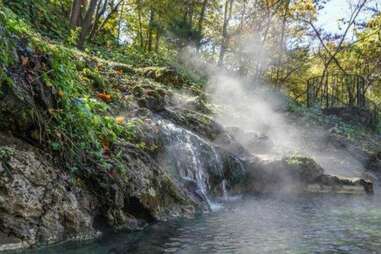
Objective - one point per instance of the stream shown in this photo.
(260, 224)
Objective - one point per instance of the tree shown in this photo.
(225, 36)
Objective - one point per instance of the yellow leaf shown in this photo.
(120, 119)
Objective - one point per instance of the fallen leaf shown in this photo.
(24, 60)
(104, 97)
(106, 147)
(120, 119)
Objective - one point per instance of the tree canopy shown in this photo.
(278, 41)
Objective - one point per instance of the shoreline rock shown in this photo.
(300, 174)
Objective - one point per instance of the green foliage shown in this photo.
(81, 128)
(295, 159)
(134, 56)
(314, 117)
(184, 33)
(6, 153)
(96, 79)
(46, 16)
(72, 38)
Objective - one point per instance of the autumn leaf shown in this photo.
(104, 97)
(106, 147)
(24, 60)
(120, 119)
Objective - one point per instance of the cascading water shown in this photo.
(224, 191)
(191, 159)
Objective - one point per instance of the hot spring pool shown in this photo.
(263, 224)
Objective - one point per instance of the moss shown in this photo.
(5, 82)
(296, 160)
(96, 80)
(123, 68)
(138, 91)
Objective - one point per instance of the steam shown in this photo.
(258, 116)
(261, 114)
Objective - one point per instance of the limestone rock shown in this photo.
(37, 206)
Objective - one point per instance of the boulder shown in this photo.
(254, 142)
(299, 174)
(335, 184)
(164, 75)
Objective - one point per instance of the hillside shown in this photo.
(90, 145)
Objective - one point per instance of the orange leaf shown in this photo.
(104, 97)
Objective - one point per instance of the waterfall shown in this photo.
(191, 158)
(224, 191)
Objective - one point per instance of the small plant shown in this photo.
(6, 153)
(73, 36)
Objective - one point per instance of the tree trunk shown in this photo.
(227, 17)
(101, 9)
(243, 70)
(139, 7)
(75, 14)
(201, 22)
(120, 23)
(281, 44)
(150, 29)
(191, 14)
(99, 27)
(157, 44)
(87, 23)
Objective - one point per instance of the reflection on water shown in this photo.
(303, 224)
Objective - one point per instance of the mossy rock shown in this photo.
(200, 123)
(123, 68)
(303, 167)
(163, 75)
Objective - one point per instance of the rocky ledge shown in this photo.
(301, 174)
(37, 203)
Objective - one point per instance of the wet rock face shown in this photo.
(197, 122)
(37, 206)
(141, 194)
(40, 206)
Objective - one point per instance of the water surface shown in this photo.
(266, 224)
